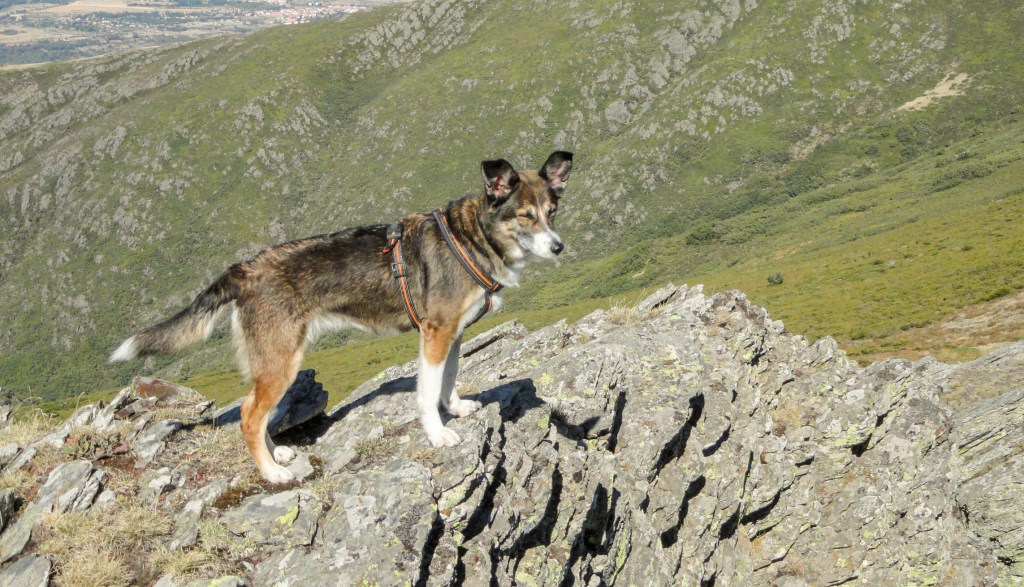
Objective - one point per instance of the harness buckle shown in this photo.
(397, 269)
(394, 231)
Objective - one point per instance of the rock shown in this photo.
(301, 467)
(54, 439)
(164, 391)
(18, 462)
(186, 526)
(286, 518)
(8, 506)
(106, 417)
(105, 499)
(150, 439)
(304, 400)
(70, 487)
(154, 483)
(6, 412)
(695, 443)
(7, 454)
(30, 571)
(687, 441)
(989, 440)
(228, 581)
(14, 540)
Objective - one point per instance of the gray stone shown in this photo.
(8, 507)
(105, 419)
(989, 443)
(105, 499)
(6, 412)
(697, 443)
(228, 581)
(165, 392)
(150, 439)
(165, 581)
(70, 487)
(154, 483)
(304, 400)
(186, 525)
(286, 518)
(18, 462)
(301, 467)
(30, 571)
(7, 454)
(54, 439)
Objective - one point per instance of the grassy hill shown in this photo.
(716, 142)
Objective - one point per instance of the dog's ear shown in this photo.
(500, 179)
(556, 170)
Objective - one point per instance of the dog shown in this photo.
(435, 272)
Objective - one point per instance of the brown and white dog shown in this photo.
(291, 293)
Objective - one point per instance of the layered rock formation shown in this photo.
(688, 441)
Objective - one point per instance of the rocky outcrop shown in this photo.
(304, 400)
(687, 441)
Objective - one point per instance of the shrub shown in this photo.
(776, 279)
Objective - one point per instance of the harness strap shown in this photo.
(394, 246)
(490, 285)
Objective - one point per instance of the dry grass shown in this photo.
(961, 336)
(102, 547)
(216, 449)
(28, 480)
(186, 563)
(28, 426)
(223, 546)
(92, 565)
(624, 315)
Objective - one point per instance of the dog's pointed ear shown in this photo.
(500, 179)
(556, 170)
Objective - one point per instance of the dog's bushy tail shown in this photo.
(189, 326)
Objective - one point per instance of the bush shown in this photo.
(703, 233)
(776, 279)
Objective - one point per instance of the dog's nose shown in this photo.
(557, 247)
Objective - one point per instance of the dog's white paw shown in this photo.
(443, 436)
(277, 474)
(283, 455)
(464, 407)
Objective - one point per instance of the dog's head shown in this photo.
(521, 207)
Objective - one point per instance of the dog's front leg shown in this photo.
(437, 344)
(460, 408)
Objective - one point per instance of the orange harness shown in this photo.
(394, 246)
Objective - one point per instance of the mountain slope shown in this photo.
(707, 134)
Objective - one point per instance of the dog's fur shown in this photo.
(295, 291)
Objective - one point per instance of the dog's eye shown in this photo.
(551, 211)
(527, 215)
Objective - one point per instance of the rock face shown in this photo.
(689, 441)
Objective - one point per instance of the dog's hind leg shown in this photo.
(437, 344)
(274, 364)
(456, 406)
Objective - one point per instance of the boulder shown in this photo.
(304, 400)
(693, 441)
(30, 571)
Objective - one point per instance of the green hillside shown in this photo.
(715, 142)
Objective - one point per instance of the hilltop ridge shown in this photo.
(687, 440)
